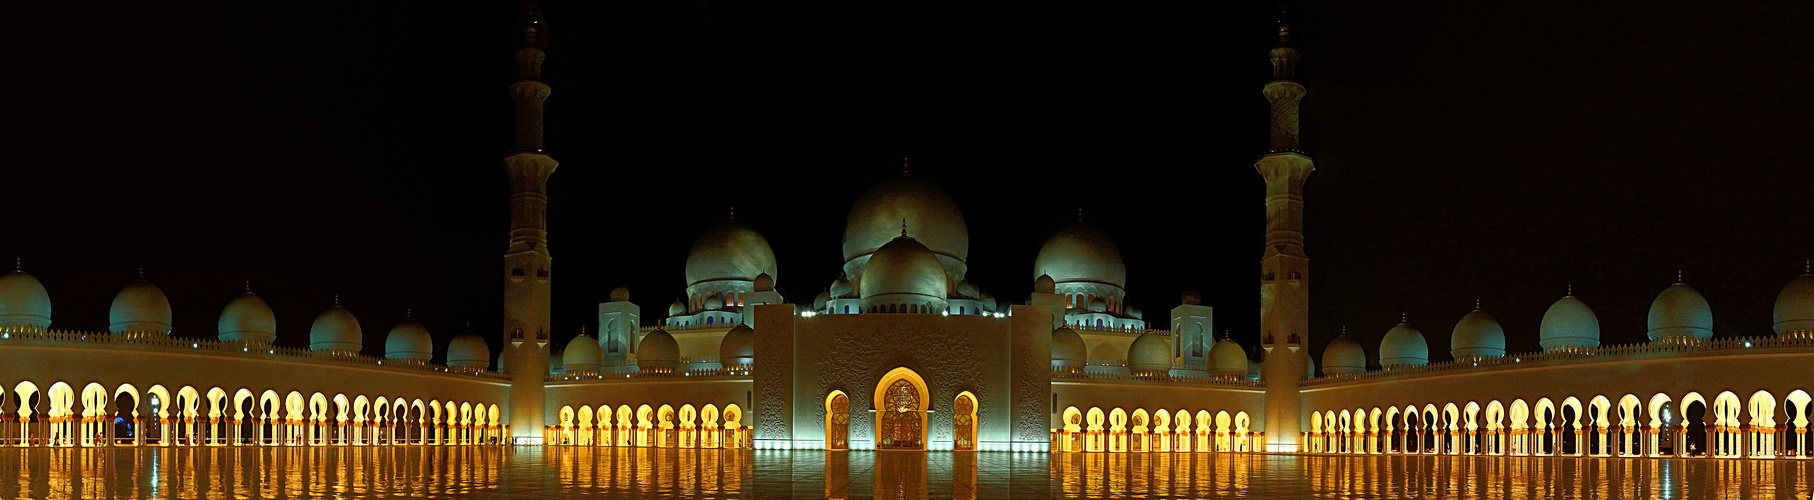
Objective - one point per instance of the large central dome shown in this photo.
(1081, 252)
(936, 222)
(732, 251)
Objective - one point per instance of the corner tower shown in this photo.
(526, 262)
(1285, 269)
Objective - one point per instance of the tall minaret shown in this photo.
(526, 297)
(1285, 270)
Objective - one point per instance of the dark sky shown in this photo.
(1492, 150)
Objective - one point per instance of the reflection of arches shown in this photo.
(837, 421)
(963, 422)
(901, 402)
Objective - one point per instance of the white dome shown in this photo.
(1477, 335)
(903, 272)
(841, 288)
(714, 302)
(409, 340)
(1344, 355)
(1794, 312)
(1149, 354)
(336, 330)
(729, 251)
(140, 307)
(23, 300)
(658, 351)
(582, 354)
(1227, 357)
(821, 300)
(247, 318)
(1097, 305)
(966, 288)
(1680, 312)
(876, 218)
(988, 302)
(1404, 346)
(620, 294)
(765, 283)
(1569, 323)
(1081, 252)
(738, 347)
(679, 308)
(1044, 284)
(468, 350)
(1068, 348)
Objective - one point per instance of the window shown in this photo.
(708, 320)
(960, 310)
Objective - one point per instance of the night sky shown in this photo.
(1465, 150)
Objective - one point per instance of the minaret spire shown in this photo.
(1284, 267)
(526, 258)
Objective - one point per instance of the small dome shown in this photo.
(140, 307)
(966, 288)
(1794, 312)
(841, 288)
(765, 283)
(409, 340)
(821, 301)
(23, 300)
(658, 351)
(1477, 335)
(1344, 355)
(714, 302)
(468, 350)
(1136, 313)
(1149, 354)
(730, 250)
(1403, 346)
(1680, 312)
(988, 301)
(1068, 348)
(583, 354)
(875, 220)
(1081, 253)
(1309, 365)
(620, 294)
(336, 330)
(1191, 298)
(1097, 305)
(1227, 357)
(247, 318)
(679, 308)
(903, 272)
(738, 347)
(1568, 324)
(1045, 284)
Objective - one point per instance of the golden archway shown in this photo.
(901, 403)
(837, 421)
(963, 422)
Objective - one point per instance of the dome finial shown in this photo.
(141, 272)
(1476, 303)
(1571, 289)
(1224, 334)
(336, 299)
(904, 170)
(1807, 266)
(248, 286)
(1284, 28)
(903, 227)
(1403, 318)
(1344, 330)
(408, 313)
(733, 215)
(18, 264)
(1079, 214)
(1678, 275)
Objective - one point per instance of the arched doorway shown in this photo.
(963, 422)
(837, 421)
(901, 403)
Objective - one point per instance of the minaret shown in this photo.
(1284, 270)
(526, 297)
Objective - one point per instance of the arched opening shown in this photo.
(901, 401)
(125, 426)
(1569, 429)
(1694, 415)
(963, 422)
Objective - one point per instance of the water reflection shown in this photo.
(490, 472)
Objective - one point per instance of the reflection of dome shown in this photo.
(409, 340)
(738, 347)
(468, 350)
(841, 288)
(1344, 355)
(1403, 346)
(876, 218)
(658, 352)
(140, 307)
(1794, 312)
(1680, 312)
(903, 272)
(730, 250)
(336, 330)
(1227, 357)
(1477, 335)
(620, 294)
(248, 319)
(1569, 323)
(1068, 348)
(1149, 354)
(1081, 252)
(23, 300)
(582, 355)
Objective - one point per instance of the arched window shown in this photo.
(960, 311)
(846, 309)
(1098, 321)
(708, 320)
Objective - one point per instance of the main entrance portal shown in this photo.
(901, 403)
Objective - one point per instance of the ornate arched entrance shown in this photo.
(901, 402)
(963, 422)
(837, 421)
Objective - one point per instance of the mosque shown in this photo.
(903, 351)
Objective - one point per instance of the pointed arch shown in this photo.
(901, 400)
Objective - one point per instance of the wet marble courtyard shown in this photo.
(534, 472)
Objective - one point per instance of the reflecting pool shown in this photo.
(535, 472)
